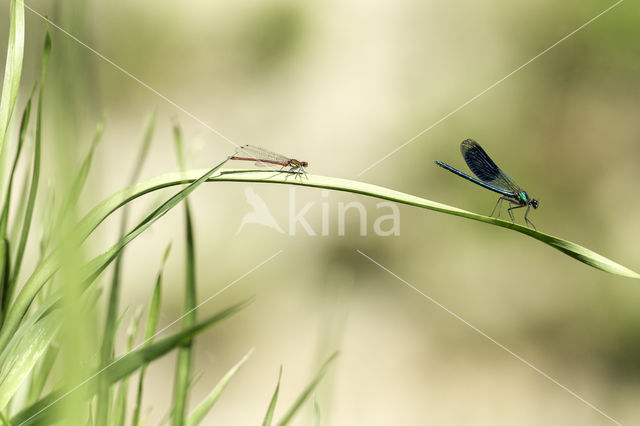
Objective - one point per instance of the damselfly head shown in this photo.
(297, 163)
(534, 203)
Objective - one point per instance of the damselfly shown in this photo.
(491, 177)
(263, 156)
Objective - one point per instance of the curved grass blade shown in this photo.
(571, 249)
(307, 391)
(12, 72)
(104, 209)
(268, 418)
(45, 410)
(99, 263)
(203, 408)
(51, 264)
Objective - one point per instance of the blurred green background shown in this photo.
(341, 84)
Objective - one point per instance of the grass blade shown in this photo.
(25, 356)
(44, 411)
(183, 367)
(99, 263)
(307, 391)
(7, 350)
(316, 413)
(51, 264)
(21, 207)
(156, 299)
(73, 194)
(109, 335)
(104, 209)
(5, 264)
(149, 332)
(5, 255)
(203, 408)
(268, 418)
(12, 72)
(24, 125)
(120, 408)
(574, 250)
(35, 177)
(571, 249)
(169, 414)
(41, 373)
(587, 256)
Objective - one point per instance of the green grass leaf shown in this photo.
(316, 413)
(307, 391)
(14, 352)
(45, 411)
(25, 356)
(106, 352)
(183, 363)
(99, 263)
(12, 72)
(41, 373)
(574, 250)
(8, 350)
(35, 177)
(156, 300)
(268, 418)
(24, 125)
(73, 194)
(104, 209)
(6, 283)
(19, 210)
(5, 263)
(196, 416)
(143, 356)
(51, 263)
(120, 408)
(98, 214)
(149, 332)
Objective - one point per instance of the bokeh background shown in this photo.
(341, 84)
